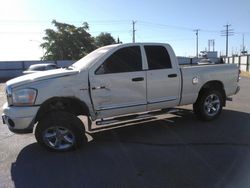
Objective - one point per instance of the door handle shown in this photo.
(137, 79)
(172, 75)
(98, 87)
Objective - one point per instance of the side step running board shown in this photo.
(110, 123)
(123, 119)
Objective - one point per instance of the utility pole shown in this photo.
(227, 32)
(243, 42)
(133, 23)
(243, 45)
(118, 40)
(197, 41)
(211, 43)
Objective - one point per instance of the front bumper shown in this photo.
(19, 119)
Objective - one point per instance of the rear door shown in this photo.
(163, 78)
(118, 84)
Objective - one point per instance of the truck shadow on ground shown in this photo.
(186, 153)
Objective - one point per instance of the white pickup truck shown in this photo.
(112, 86)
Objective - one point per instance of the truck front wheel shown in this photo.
(60, 131)
(209, 105)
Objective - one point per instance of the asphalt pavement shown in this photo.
(178, 151)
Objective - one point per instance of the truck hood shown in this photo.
(40, 76)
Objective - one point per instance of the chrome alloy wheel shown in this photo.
(59, 138)
(212, 105)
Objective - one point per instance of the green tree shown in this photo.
(67, 42)
(104, 39)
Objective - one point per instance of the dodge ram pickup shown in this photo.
(111, 87)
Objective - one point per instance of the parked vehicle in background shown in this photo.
(40, 67)
(113, 86)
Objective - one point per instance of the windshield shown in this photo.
(92, 57)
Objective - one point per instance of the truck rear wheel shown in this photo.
(209, 105)
(60, 131)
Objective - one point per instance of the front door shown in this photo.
(118, 85)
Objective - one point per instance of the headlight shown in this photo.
(24, 97)
(9, 95)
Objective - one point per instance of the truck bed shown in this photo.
(227, 74)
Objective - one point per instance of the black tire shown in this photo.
(60, 131)
(208, 105)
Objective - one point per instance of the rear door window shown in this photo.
(157, 57)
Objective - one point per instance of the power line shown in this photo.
(210, 31)
(71, 21)
(107, 22)
(114, 31)
(20, 32)
(242, 33)
(38, 32)
(165, 25)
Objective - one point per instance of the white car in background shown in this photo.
(40, 67)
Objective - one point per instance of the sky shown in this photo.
(23, 22)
